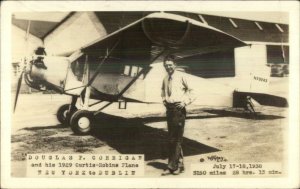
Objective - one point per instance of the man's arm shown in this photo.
(189, 95)
(163, 93)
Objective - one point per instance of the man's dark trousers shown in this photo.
(176, 122)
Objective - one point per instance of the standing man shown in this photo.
(176, 95)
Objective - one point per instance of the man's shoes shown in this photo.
(181, 169)
(171, 172)
(167, 172)
(178, 171)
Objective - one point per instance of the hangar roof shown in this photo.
(37, 28)
(41, 23)
(244, 29)
(249, 30)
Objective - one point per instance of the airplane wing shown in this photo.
(174, 33)
(135, 45)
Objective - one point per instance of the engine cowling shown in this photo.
(45, 71)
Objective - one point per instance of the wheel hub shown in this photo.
(65, 114)
(84, 123)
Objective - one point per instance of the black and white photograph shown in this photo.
(138, 91)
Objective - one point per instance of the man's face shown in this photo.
(169, 66)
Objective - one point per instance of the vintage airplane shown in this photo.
(127, 66)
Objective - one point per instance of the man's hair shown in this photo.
(169, 57)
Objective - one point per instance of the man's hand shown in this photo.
(180, 105)
(165, 103)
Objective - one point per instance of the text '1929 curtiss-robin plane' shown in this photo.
(127, 66)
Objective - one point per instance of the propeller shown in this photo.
(18, 90)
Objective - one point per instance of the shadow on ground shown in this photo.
(59, 126)
(243, 114)
(132, 136)
(126, 135)
(158, 165)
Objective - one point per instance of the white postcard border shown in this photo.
(292, 180)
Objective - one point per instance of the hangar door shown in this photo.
(277, 54)
(210, 65)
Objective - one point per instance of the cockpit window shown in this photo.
(133, 71)
(126, 70)
(78, 68)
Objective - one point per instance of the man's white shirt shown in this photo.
(181, 90)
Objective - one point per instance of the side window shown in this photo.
(78, 69)
(133, 71)
(126, 70)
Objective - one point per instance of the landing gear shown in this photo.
(81, 119)
(64, 114)
(249, 106)
(81, 122)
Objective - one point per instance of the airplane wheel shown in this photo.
(63, 114)
(81, 122)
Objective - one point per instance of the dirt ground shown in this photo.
(227, 133)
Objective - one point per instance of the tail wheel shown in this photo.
(63, 115)
(81, 122)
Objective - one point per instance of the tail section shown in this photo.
(240, 99)
(253, 77)
(251, 70)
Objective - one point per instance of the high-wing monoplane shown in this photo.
(127, 66)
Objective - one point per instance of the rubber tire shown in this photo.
(62, 112)
(75, 125)
(63, 115)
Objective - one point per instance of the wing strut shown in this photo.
(138, 75)
(102, 62)
(98, 111)
(132, 81)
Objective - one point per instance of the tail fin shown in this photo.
(259, 81)
(251, 69)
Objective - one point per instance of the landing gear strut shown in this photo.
(65, 112)
(249, 106)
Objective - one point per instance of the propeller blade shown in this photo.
(18, 90)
